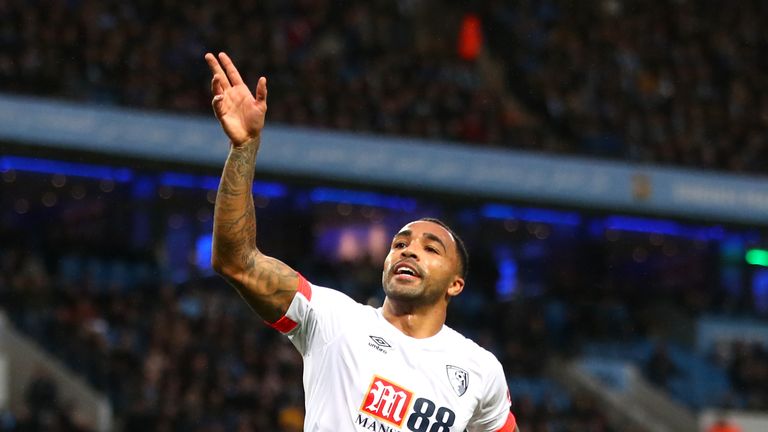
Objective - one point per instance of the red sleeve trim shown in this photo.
(305, 288)
(510, 425)
(285, 324)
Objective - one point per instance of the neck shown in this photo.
(414, 321)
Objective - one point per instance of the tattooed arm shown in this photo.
(266, 284)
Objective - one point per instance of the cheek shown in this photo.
(442, 269)
(387, 260)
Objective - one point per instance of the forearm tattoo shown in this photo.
(234, 223)
(267, 284)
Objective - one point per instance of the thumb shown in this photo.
(261, 90)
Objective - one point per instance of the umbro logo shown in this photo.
(380, 341)
(379, 344)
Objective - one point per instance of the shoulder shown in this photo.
(318, 314)
(481, 357)
(329, 298)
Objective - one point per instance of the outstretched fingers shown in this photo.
(217, 71)
(232, 74)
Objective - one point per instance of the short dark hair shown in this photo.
(460, 248)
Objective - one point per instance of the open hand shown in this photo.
(240, 112)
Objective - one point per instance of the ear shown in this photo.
(456, 287)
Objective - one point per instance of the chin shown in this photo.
(397, 291)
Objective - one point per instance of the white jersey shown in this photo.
(363, 374)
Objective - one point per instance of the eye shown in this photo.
(398, 245)
(432, 249)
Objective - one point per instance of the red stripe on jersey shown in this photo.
(305, 288)
(510, 425)
(285, 324)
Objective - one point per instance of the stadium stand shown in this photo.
(146, 325)
(584, 78)
(663, 81)
(604, 79)
(362, 66)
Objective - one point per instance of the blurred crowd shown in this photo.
(170, 358)
(668, 81)
(679, 82)
(546, 415)
(90, 278)
(190, 355)
(193, 357)
(380, 66)
(43, 410)
(747, 365)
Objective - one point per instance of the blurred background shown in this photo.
(604, 160)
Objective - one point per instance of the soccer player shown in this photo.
(396, 368)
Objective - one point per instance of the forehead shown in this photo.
(419, 228)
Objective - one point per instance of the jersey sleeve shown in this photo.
(315, 316)
(493, 412)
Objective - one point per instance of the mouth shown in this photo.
(405, 271)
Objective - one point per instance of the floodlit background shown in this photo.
(605, 162)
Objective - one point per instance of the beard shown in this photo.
(416, 293)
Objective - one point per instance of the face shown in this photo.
(422, 265)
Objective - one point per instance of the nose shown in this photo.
(408, 252)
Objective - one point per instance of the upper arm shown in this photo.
(267, 284)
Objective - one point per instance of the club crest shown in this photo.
(459, 379)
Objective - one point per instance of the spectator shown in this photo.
(42, 394)
(660, 368)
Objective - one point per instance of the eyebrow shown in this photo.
(428, 235)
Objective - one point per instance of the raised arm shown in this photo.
(267, 284)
